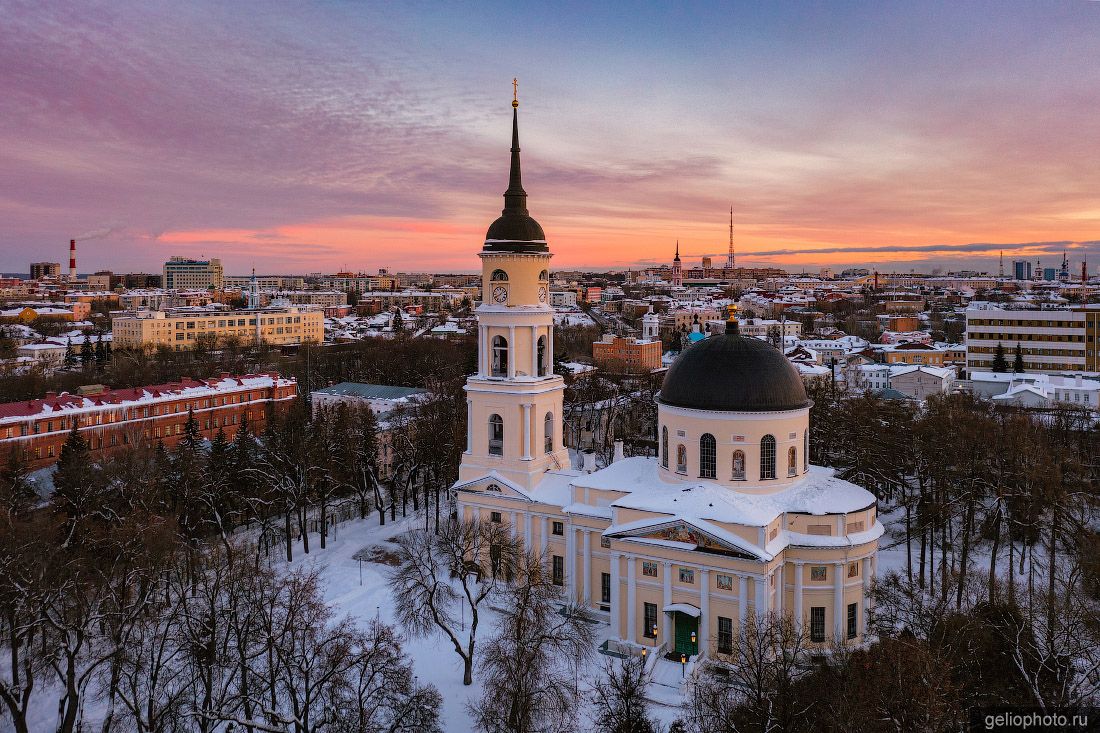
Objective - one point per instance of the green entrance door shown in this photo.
(685, 626)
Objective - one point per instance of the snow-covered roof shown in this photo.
(66, 403)
(818, 492)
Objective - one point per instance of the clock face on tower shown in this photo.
(542, 295)
(500, 294)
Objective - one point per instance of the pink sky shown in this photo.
(335, 136)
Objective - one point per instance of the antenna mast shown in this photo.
(729, 257)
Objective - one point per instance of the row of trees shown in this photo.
(130, 592)
(157, 546)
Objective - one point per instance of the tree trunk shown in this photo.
(909, 543)
(993, 555)
(289, 539)
(1051, 565)
(967, 521)
(302, 515)
(324, 523)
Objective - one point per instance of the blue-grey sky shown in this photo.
(318, 136)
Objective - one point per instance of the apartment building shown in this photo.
(1050, 340)
(183, 273)
(631, 354)
(179, 330)
(120, 418)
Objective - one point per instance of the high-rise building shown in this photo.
(183, 273)
(707, 263)
(45, 269)
(1021, 270)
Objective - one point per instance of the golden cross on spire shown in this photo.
(515, 92)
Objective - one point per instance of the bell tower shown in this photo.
(514, 401)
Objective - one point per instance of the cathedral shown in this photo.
(676, 551)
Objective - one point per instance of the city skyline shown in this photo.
(336, 136)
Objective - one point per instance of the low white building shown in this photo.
(920, 381)
(563, 298)
(1036, 390)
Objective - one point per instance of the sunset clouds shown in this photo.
(307, 137)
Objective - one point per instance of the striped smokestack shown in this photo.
(72, 259)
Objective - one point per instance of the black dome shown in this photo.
(733, 373)
(514, 232)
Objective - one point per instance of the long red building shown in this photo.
(110, 419)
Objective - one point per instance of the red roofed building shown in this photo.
(117, 418)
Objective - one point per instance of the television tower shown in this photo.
(729, 257)
(1001, 272)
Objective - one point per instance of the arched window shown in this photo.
(500, 356)
(708, 457)
(496, 435)
(664, 446)
(499, 276)
(544, 275)
(792, 461)
(548, 431)
(805, 450)
(540, 368)
(767, 457)
(681, 459)
(739, 465)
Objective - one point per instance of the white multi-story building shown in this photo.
(1050, 340)
(183, 273)
(563, 298)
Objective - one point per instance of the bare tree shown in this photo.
(532, 663)
(754, 687)
(442, 576)
(619, 700)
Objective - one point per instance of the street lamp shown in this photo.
(644, 650)
(683, 665)
(693, 638)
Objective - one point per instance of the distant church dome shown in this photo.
(733, 373)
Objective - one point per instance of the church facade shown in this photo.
(675, 551)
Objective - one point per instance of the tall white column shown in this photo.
(544, 537)
(798, 595)
(761, 609)
(482, 350)
(666, 619)
(866, 570)
(469, 425)
(704, 611)
(550, 346)
(616, 607)
(511, 352)
(742, 599)
(631, 599)
(838, 601)
(779, 583)
(527, 529)
(587, 566)
(514, 528)
(526, 431)
(571, 562)
(534, 351)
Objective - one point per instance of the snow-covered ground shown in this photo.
(360, 589)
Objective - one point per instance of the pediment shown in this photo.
(687, 533)
(493, 485)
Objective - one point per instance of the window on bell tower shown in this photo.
(500, 356)
(496, 435)
(499, 276)
(540, 368)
